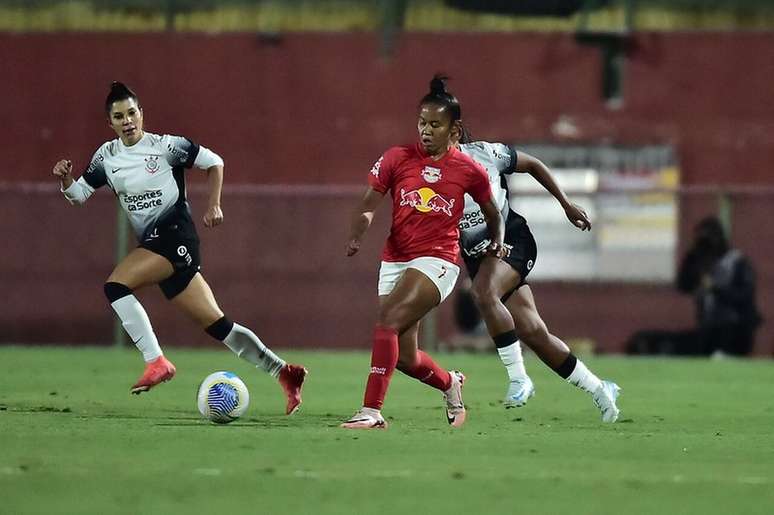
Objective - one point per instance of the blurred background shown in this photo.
(652, 114)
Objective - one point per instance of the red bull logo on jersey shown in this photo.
(431, 174)
(426, 200)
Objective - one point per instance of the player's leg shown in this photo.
(408, 298)
(555, 353)
(139, 268)
(417, 363)
(198, 302)
(493, 280)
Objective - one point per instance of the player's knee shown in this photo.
(392, 317)
(532, 330)
(484, 296)
(114, 291)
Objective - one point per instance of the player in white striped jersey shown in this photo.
(500, 289)
(146, 172)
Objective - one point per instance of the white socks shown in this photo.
(584, 378)
(245, 344)
(513, 361)
(137, 325)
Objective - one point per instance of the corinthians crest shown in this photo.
(152, 164)
(430, 174)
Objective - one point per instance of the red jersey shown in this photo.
(428, 198)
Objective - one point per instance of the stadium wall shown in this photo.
(306, 109)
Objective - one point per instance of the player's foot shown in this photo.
(365, 418)
(157, 371)
(604, 398)
(455, 408)
(519, 392)
(291, 378)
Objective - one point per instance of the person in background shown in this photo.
(722, 282)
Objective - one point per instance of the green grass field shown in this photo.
(693, 437)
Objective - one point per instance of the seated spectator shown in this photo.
(722, 281)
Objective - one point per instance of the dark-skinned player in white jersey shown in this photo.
(500, 290)
(146, 173)
(427, 181)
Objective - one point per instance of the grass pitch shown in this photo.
(693, 437)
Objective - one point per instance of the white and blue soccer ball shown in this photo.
(223, 397)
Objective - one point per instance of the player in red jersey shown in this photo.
(427, 182)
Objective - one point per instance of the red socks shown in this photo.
(384, 357)
(428, 371)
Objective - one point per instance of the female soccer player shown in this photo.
(427, 182)
(146, 173)
(500, 290)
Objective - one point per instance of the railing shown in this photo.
(278, 261)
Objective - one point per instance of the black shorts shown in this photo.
(523, 250)
(176, 239)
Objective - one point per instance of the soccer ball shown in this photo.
(223, 397)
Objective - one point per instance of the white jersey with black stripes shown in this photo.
(147, 177)
(498, 160)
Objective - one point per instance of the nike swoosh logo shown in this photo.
(115, 170)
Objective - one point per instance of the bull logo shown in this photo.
(426, 200)
(430, 174)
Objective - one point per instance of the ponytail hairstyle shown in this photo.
(439, 96)
(119, 91)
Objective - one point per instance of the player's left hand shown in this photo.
(213, 216)
(498, 250)
(578, 217)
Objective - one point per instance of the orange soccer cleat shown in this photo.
(291, 378)
(157, 371)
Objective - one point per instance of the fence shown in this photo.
(277, 263)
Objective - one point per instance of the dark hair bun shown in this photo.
(119, 91)
(438, 84)
(119, 87)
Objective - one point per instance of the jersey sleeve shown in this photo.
(94, 175)
(181, 151)
(479, 188)
(381, 175)
(505, 158)
(92, 178)
(206, 158)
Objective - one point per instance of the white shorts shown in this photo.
(441, 272)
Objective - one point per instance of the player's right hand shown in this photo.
(352, 247)
(63, 169)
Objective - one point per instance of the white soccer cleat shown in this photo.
(455, 408)
(519, 392)
(605, 398)
(365, 418)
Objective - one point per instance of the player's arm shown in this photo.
(77, 192)
(63, 169)
(496, 226)
(362, 218)
(189, 154)
(541, 173)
